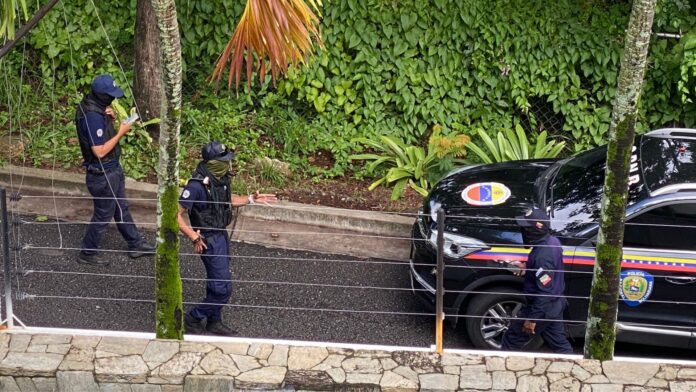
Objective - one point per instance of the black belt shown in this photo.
(98, 170)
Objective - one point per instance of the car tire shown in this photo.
(486, 318)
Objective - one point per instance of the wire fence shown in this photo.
(292, 284)
(301, 283)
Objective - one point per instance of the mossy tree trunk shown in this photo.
(168, 291)
(604, 297)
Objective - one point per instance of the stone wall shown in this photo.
(61, 362)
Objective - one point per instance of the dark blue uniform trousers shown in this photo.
(216, 259)
(109, 196)
(553, 332)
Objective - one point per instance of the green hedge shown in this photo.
(394, 68)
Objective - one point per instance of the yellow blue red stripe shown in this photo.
(580, 257)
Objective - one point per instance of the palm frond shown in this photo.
(275, 33)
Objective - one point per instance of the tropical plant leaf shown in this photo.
(396, 148)
(492, 147)
(399, 189)
(275, 33)
(373, 165)
(396, 174)
(423, 192)
(479, 152)
(357, 157)
(376, 184)
(524, 143)
(513, 144)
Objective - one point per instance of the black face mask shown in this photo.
(532, 235)
(102, 99)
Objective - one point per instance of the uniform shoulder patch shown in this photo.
(100, 132)
(545, 279)
(186, 194)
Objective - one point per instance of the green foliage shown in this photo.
(269, 173)
(512, 145)
(413, 166)
(8, 16)
(387, 68)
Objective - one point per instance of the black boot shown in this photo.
(218, 328)
(91, 259)
(142, 250)
(193, 326)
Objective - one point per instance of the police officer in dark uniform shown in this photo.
(99, 143)
(208, 199)
(544, 280)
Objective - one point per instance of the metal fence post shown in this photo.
(5, 233)
(439, 291)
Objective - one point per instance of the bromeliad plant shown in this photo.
(514, 146)
(412, 165)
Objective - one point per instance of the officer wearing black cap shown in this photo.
(208, 199)
(99, 143)
(544, 281)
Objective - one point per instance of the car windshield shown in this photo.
(575, 193)
(667, 162)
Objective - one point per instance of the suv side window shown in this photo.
(667, 227)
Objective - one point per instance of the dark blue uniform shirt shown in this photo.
(95, 125)
(544, 276)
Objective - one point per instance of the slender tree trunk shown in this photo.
(147, 85)
(601, 320)
(169, 307)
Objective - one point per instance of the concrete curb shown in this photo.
(29, 179)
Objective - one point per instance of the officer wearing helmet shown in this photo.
(544, 283)
(208, 201)
(99, 144)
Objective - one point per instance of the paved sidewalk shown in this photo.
(285, 224)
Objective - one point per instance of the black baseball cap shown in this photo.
(216, 151)
(532, 217)
(105, 84)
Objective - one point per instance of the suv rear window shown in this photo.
(667, 162)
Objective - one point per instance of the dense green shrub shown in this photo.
(387, 68)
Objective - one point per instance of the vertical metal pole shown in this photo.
(439, 291)
(5, 233)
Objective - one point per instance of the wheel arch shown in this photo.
(486, 284)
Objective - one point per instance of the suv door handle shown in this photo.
(681, 279)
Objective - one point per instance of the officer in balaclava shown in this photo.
(99, 143)
(208, 199)
(543, 285)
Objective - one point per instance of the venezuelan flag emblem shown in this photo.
(486, 194)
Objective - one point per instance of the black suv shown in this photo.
(658, 275)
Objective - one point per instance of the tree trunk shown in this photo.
(601, 320)
(147, 86)
(168, 291)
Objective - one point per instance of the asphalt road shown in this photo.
(277, 293)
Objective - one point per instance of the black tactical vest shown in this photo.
(218, 213)
(87, 105)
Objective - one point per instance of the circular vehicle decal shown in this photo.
(486, 194)
(636, 287)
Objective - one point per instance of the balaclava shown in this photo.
(218, 168)
(103, 100)
(533, 234)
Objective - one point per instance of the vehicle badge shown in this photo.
(486, 194)
(636, 287)
(100, 132)
(186, 194)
